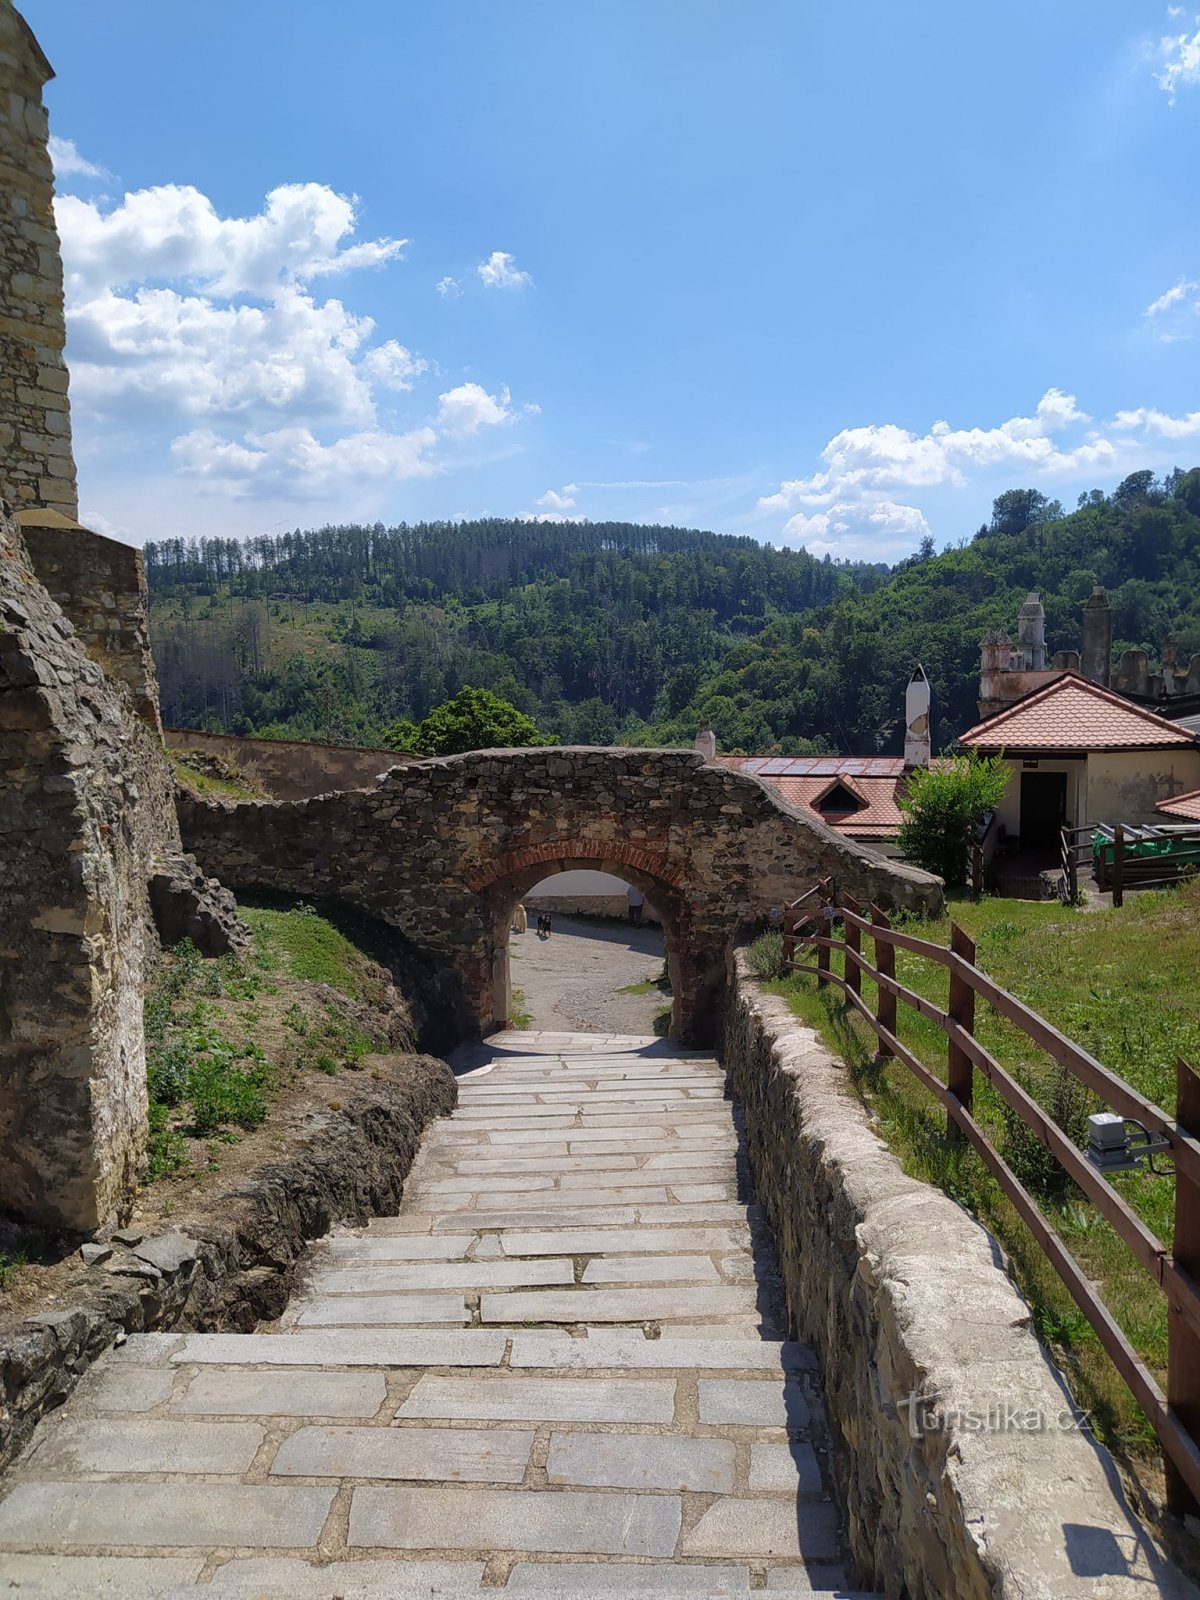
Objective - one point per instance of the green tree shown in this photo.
(402, 735)
(477, 719)
(943, 807)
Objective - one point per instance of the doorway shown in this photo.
(1043, 809)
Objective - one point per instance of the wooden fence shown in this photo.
(1175, 1416)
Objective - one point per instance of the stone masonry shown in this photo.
(36, 464)
(444, 849)
(558, 1371)
(86, 804)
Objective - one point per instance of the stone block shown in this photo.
(650, 1269)
(393, 1310)
(627, 1348)
(754, 1528)
(346, 1348)
(615, 1305)
(501, 1397)
(235, 1392)
(130, 1388)
(289, 1578)
(614, 1578)
(790, 1468)
(641, 1461)
(185, 1516)
(80, 1445)
(383, 1279)
(450, 1455)
(753, 1403)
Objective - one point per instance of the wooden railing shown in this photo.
(1076, 852)
(1175, 1416)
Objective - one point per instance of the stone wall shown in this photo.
(36, 465)
(100, 585)
(86, 804)
(290, 769)
(444, 849)
(904, 1295)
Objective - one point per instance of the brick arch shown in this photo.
(654, 863)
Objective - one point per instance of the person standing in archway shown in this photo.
(636, 900)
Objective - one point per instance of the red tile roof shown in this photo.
(804, 780)
(1182, 805)
(1073, 713)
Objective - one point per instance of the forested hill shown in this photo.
(613, 632)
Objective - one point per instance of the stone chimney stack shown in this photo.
(1031, 634)
(706, 742)
(1097, 638)
(916, 720)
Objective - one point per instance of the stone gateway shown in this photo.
(443, 850)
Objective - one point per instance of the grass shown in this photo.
(519, 1014)
(1120, 983)
(223, 1037)
(206, 783)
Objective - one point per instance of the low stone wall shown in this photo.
(588, 905)
(904, 1295)
(289, 769)
(238, 1268)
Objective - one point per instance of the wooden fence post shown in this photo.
(824, 931)
(853, 938)
(885, 960)
(1183, 1345)
(960, 1073)
(1118, 872)
(789, 937)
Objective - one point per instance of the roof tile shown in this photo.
(1073, 713)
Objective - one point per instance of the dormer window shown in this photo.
(838, 798)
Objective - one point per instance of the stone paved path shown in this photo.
(560, 1370)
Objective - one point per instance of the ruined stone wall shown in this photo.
(292, 769)
(905, 1297)
(36, 464)
(86, 804)
(100, 585)
(442, 850)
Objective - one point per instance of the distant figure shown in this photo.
(636, 901)
(547, 925)
(520, 920)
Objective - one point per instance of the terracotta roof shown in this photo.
(877, 818)
(1182, 805)
(1072, 713)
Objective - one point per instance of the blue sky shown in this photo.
(831, 275)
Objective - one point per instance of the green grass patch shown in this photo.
(1121, 984)
(519, 1014)
(207, 783)
(309, 947)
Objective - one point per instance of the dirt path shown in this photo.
(570, 981)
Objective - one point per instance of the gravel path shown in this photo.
(570, 981)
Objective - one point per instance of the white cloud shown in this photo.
(68, 163)
(449, 288)
(183, 318)
(555, 501)
(879, 458)
(500, 271)
(859, 531)
(1158, 424)
(1174, 315)
(469, 407)
(1179, 58)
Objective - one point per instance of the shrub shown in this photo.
(765, 955)
(943, 807)
(1068, 1103)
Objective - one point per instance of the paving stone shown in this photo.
(641, 1461)
(707, 1211)
(520, 1221)
(684, 1159)
(83, 1445)
(596, 1241)
(614, 1305)
(743, 1529)
(129, 1388)
(452, 1455)
(643, 1178)
(644, 1133)
(650, 1269)
(606, 1349)
(703, 1191)
(501, 1397)
(790, 1468)
(394, 1310)
(81, 1577)
(522, 1183)
(615, 1147)
(289, 1578)
(443, 1275)
(181, 1515)
(615, 1578)
(239, 1393)
(563, 1199)
(412, 1348)
(404, 1248)
(517, 1164)
(573, 1523)
(145, 1349)
(746, 1402)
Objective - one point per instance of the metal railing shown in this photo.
(1175, 1416)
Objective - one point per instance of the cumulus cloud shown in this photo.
(849, 506)
(554, 500)
(213, 323)
(500, 271)
(1178, 57)
(68, 163)
(449, 288)
(1176, 313)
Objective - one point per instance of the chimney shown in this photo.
(706, 742)
(916, 720)
(996, 655)
(1097, 638)
(1031, 634)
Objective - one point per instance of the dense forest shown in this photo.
(612, 632)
